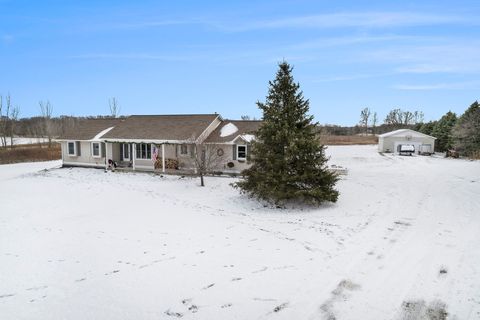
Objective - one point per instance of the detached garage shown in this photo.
(391, 141)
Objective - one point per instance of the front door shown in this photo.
(126, 151)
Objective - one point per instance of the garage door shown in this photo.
(414, 143)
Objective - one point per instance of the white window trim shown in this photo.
(184, 154)
(74, 154)
(238, 155)
(126, 145)
(138, 156)
(99, 150)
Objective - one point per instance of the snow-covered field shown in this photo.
(402, 242)
(25, 140)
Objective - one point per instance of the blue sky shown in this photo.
(161, 57)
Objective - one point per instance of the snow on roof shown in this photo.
(400, 132)
(101, 133)
(228, 130)
(248, 137)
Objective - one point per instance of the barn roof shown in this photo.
(403, 132)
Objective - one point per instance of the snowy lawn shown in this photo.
(402, 242)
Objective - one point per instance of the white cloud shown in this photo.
(355, 19)
(349, 40)
(375, 19)
(425, 69)
(7, 38)
(439, 86)
(351, 77)
(160, 23)
(449, 56)
(132, 56)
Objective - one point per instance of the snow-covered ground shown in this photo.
(84, 244)
(25, 140)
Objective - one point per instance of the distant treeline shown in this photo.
(43, 126)
(336, 130)
(34, 126)
(461, 134)
(38, 127)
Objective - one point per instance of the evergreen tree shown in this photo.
(466, 133)
(442, 130)
(288, 160)
(418, 126)
(427, 127)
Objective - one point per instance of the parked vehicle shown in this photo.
(452, 154)
(425, 149)
(406, 149)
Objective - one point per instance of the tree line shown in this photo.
(453, 133)
(44, 125)
(461, 134)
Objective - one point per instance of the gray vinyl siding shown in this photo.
(84, 155)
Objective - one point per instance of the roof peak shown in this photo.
(174, 115)
(391, 133)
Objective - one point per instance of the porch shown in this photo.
(157, 157)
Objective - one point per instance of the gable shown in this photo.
(401, 133)
(229, 131)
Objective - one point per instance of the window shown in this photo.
(96, 149)
(183, 149)
(241, 152)
(144, 151)
(126, 151)
(71, 148)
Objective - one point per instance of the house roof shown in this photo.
(88, 129)
(226, 132)
(161, 127)
(403, 132)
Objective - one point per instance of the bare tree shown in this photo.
(394, 117)
(246, 117)
(1, 122)
(364, 117)
(418, 117)
(407, 117)
(206, 158)
(4, 119)
(399, 118)
(374, 122)
(13, 119)
(48, 130)
(114, 107)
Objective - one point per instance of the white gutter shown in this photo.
(157, 141)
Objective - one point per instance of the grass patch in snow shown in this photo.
(419, 310)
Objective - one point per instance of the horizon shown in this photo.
(187, 57)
